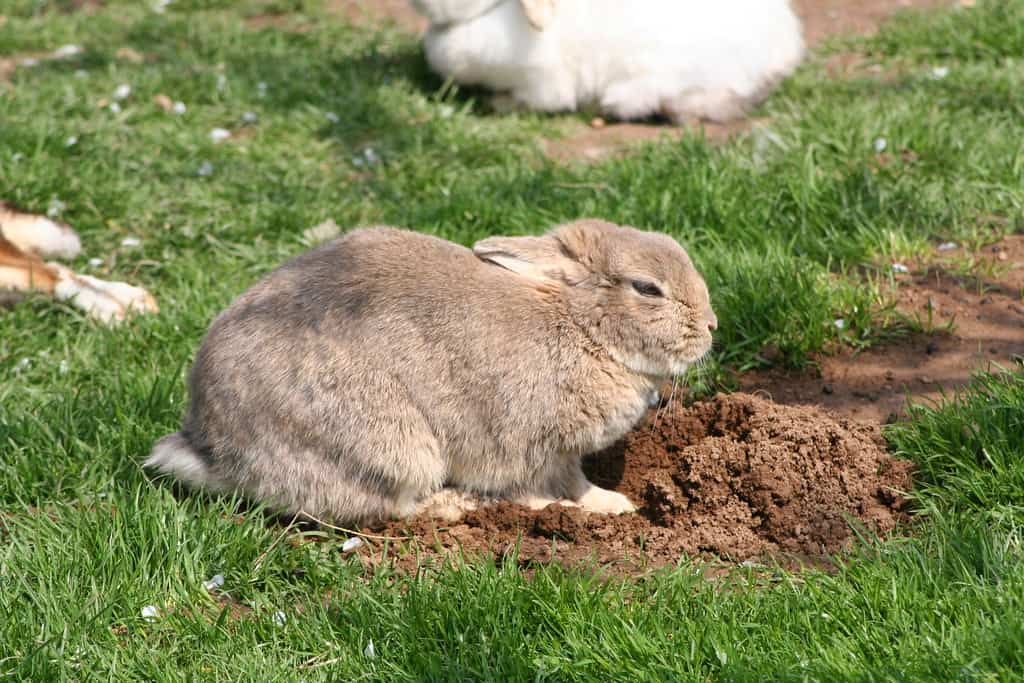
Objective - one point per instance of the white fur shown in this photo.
(106, 301)
(597, 499)
(174, 456)
(39, 235)
(682, 58)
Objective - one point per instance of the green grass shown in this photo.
(781, 224)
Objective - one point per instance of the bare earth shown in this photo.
(737, 477)
(988, 332)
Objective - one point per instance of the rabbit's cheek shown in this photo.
(645, 363)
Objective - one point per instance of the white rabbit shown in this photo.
(684, 59)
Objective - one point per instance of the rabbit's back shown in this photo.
(390, 360)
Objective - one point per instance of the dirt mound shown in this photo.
(738, 477)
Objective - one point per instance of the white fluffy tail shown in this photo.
(175, 456)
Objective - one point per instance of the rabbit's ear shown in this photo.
(539, 12)
(538, 258)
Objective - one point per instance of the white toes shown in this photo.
(597, 499)
(106, 301)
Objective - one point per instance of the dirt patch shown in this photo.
(823, 18)
(737, 477)
(975, 304)
(368, 12)
(608, 140)
(361, 13)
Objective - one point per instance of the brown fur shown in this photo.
(22, 271)
(360, 378)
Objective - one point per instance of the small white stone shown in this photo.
(29, 62)
(71, 141)
(940, 72)
(369, 651)
(160, 5)
(55, 207)
(947, 246)
(371, 155)
(250, 117)
(17, 156)
(131, 242)
(215, 582)
(900, 268)
(351, 544)
(219, 135)
(65, 51)
(150, 613)
(205, 169)
(332, 117)
(280, 618)
(95, 262)
(880, 145)
(115, 107)
(122, 91)
(178, 108)
(839, 323)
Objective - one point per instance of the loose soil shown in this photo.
(737, 477)
(975, 304)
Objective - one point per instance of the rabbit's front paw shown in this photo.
(597, 499)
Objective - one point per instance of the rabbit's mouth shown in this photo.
(686, 357)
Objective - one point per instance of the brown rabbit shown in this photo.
(360, 378)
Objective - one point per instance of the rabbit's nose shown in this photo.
(712, 321)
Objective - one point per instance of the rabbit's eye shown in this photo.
(647, 288)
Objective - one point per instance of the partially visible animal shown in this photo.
(683, 59)
(25, 237)
(357, 381)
